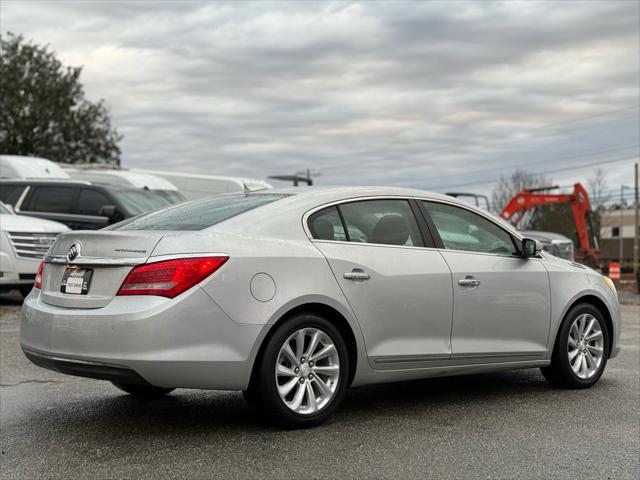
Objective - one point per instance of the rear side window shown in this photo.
(53, 199)
(327, 225)
(200, 214)
(10, 194)
(387, 222)
(91, 201)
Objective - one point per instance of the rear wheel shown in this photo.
(143, 390)
(302, 375)
(581, 349)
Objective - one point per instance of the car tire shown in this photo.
(572, 344)
(265, 392)
(142, 390)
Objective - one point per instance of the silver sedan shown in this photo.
(294, 295)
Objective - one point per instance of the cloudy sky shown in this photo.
(439, 95)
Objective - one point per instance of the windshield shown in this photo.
(136, 202)
(172, 195)
(200, 214)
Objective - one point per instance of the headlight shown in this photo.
(609, 282)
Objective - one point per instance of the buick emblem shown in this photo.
(74, 252)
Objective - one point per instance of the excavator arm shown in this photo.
(527, 199)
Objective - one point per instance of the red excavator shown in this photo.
(527, 199)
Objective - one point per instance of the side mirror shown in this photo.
(529, 247)
(108, 211)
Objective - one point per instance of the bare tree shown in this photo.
(598, 190)
(598, 196)
(507, 187)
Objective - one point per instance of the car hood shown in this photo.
(23, 223)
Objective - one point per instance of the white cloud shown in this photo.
(412, 93)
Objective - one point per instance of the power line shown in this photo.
(563, 169)
(580, 155)
(504, 142)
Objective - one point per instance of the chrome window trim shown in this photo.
(310, 212)
(367, 244)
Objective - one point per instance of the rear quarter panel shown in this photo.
(299, 272)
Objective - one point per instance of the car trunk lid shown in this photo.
(109, 255)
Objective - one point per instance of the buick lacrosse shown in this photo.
(294, 295)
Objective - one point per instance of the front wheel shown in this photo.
(142, 390)
(302, 375)
(581, 349)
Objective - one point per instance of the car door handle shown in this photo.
(356, 275)
(468, 281)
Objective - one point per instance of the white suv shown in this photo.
(23, 243)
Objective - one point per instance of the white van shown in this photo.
(195, 185)
(17, 166)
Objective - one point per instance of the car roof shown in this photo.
(332, 193)
(69, 182)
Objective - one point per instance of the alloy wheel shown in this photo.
(585, 346)
(307, 371)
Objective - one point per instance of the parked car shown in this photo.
(17, 166)
(126, 177)
(553, 243)
(78, 204)
(23, 243)
(195, 185)
(293, 295)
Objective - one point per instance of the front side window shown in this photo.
(53, 200)
(199, 214)
(461, 229)
(387, 222)
(91, 201)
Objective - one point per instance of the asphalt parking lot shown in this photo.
(509, 425)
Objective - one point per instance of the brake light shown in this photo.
(171, 277)
(37, 283)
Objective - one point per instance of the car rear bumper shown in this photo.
(186, 342)
(80, 368)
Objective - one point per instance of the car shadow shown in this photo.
(199, 411)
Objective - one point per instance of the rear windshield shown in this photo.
(200, 214)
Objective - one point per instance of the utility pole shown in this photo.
(636, 237)
(622, 187)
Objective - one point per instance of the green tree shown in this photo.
(43, 110)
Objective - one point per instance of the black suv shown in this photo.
(78, 204)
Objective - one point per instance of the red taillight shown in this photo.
(171, 277)
(37, 283)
